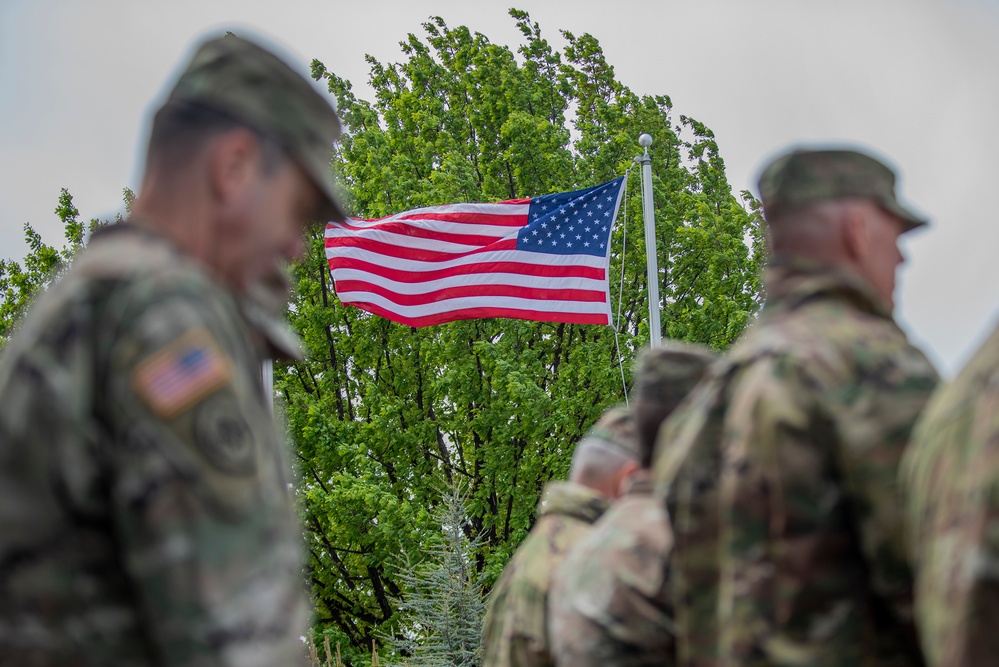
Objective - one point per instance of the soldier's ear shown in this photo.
(233, 158)
(856, 234)
(624, 475)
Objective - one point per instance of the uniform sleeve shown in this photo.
(949, 476)
(772, 482)
(203, 515)
(687, 473)
(515, 634)
(609, 603)
(875, 426)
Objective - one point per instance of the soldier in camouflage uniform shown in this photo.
(951, 476)
(145, 516)
(779, 473)
(516, 633)
(609, 605)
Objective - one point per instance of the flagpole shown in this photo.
(651, 262)
(267, 371)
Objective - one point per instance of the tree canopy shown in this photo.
(20, 281)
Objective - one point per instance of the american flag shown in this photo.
(544, 258)
(180, 374)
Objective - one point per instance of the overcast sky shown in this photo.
(913, 80)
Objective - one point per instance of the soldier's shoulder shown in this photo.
(629, 545)
(127, 272)
(125, 254)
(530, 564)
(960, 420)
(633, 521)
(827, 344)
(976, 385)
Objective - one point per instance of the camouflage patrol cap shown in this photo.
(667, 374)
(245, 82)
(663, 378)
(808, 176)
(615, 429)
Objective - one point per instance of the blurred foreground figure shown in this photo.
(145, 515)
(609, 604)
(780, 471)
(951, 474)
(516, 632)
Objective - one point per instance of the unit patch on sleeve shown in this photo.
(224, 437)
(182, 373)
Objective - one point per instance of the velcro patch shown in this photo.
(182, 373)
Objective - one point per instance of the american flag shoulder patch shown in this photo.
(179, 375)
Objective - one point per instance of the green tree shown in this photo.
(384, 414)
(444, 605)
(21, 281)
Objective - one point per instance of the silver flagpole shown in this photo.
(267, 371)
(651, 262)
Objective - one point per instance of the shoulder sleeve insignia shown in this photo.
(182, 373)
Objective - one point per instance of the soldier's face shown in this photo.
(883, 256)
(277, 208)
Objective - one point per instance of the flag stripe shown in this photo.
(485, 231)
(507, 302)
(414, 284)
(515, 207)
(346, 287)
(539, 259)
(493, 218)
(472, 302)
(405, 271)
(482, 313)
(417, 250)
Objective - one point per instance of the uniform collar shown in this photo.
(791, 282)
(571, 499)
(640, 484)
(255, 304)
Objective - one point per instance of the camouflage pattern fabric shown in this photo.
(609, 605)
(145, 516)
(779, 476)
(515, 632)
(264, 305)
(807, 176)
(951, 476)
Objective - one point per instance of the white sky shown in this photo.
(914, 80)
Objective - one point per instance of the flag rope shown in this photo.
(620, 285)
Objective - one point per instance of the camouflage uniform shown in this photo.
(515, 632)
(145, 512)
(264, 305)
(779, 476)
(609, 602)
(950, 476)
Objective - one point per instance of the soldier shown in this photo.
(145, 516)
(780, 470)
(609, 604)
(950, 476)
(515, 633)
